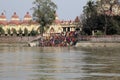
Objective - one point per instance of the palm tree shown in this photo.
(90, 14)
(90, 9)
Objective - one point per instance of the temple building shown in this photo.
(59, 26)
(15, 23)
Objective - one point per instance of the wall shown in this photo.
(15, 39)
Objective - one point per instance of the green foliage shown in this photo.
(93, 21)
(14, 31)
(113, 25)
(20, 31)
(2, 30)
(9, 31)
(90, 9)
(26, 31)
(33, 32)
(44, 12)
(89, 18)
(99, 33)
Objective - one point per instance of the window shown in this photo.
(64, 29)
(68, 28)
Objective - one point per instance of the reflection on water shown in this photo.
(25, 63)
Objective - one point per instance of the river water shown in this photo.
(26, 63)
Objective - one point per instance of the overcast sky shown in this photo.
(67, 9)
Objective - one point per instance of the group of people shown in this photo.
(62, 40)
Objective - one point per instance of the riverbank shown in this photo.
(101, 50)
(98, 42)
(16, 39)
(84, 44)
(13, 44)
(87, 44)
(99, 47)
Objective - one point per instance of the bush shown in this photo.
(2, 30)
(20, 31)
(26, 32)
(9, 31)
(33, 32)
(99, 33)
(14, 31)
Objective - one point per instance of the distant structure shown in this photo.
(109, 7)
(60, 26)
(27, 23)
(16, 24)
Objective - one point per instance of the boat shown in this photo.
(34, 43)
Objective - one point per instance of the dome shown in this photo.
(77, 19)
(57, 21)
(27, 18)
(2, 16)
(15, 16)
(15, 19)
(3, 19)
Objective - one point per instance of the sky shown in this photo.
(67, 9)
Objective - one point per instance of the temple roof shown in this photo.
(2, 16)
(3, 19)
(15, 16)
(3, 23)
(27, 15)
(57, 21)
(77, 19)
(27, 18)
(15, 19)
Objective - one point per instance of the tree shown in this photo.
(14, 31)
(89, 18)
(33, 32)
(101, 19)
(8, 31)
(44, 13)
(90, 9)
(26, 31)
(108, 8)
(2, 30)
(20, 31)
(113, 25)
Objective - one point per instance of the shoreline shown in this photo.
(99, 47)
(24, 41)
(97, 44)
(13, 44)
(84, 44)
